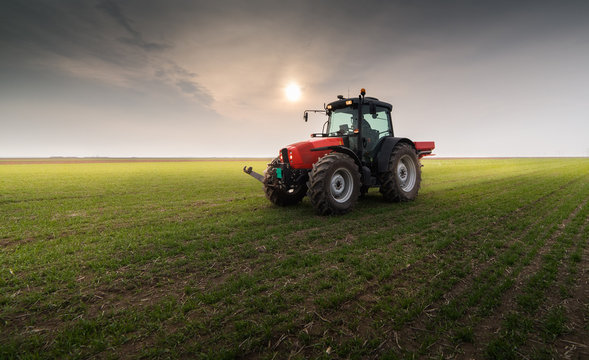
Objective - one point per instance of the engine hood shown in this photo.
(301, 156)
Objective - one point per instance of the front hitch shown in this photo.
(255, 175)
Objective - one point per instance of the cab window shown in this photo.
(379, 122)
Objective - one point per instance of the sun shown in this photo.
(293, 92)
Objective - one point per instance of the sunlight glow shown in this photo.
(293, 92)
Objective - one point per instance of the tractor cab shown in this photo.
(370, 121)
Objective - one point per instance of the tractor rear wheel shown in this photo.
(334, 184)
(277, 194)
(401, 181)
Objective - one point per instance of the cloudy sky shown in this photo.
(207, 78)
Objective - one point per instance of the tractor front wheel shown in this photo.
(334, 184)
(277, 194)
(401, 181)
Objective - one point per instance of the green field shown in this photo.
(189, 260)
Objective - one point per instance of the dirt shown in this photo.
(575, 343)
(410, 336)
(490, 326)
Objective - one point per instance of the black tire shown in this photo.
(334, 184)
(402, 179)
(277, 194)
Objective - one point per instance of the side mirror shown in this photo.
(306, 116)
(372, 108)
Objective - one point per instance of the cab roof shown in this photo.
(343, 103)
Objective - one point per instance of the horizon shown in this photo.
(430, 157)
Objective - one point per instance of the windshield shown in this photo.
(342, 121)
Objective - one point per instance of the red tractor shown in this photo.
(357, 150)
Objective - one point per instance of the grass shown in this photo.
(188, 259)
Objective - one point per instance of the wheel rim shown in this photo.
(341, 185)
(406, 173)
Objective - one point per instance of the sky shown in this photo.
(179, 78)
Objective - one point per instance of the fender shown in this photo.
(343, 150)
(384, 154)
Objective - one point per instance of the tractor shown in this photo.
(356, 150)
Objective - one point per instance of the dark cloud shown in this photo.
(187, 86)
(79, 37)
(112, 9)
(184, 79)
(195, 89)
